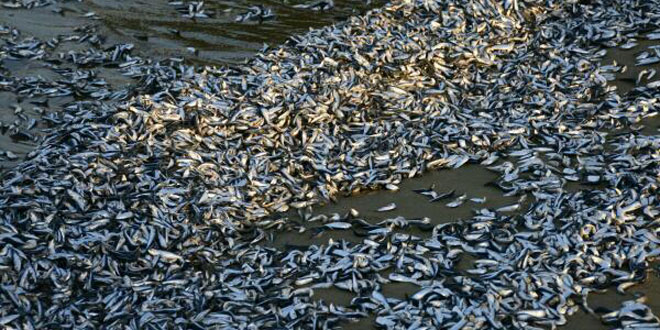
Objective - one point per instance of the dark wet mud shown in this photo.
(333, 296)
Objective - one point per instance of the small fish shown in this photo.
(425, 191)
(338, 225)
(8, 319)
(509, 208)
(457, 202)
(388, 207)
(256, 13)
(165, 255)
(478, 200)
(392, 187)
(321, 5)
(445, 195)
(531, 314)
(10, 155)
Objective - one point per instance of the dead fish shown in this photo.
(317, 5)
(441, 196)
(387, 208)
(457, 202)
(256, 13)
(165, 255)
(425, 191)
(338, 225)
(179, 182)
(509, 208)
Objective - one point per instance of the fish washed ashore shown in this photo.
(153, 212)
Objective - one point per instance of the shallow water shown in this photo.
(626, 81)
(218, 39)
(333, 296)
(472, 180)
(158, 31)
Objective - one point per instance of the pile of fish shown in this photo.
(73, 79)
(29, 4)
(153, 212)
(191, 10)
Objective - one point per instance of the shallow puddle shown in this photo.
(43, 23)
(626, 81)
(651, 126)
(473, 181)
(22, 68)
(218, 39)
(609, 300)
(612, 299)
(399, 290)
(362, 324)
(582, 320)
(465, 262)
(20, 149)
(333, 296)
(575, 186)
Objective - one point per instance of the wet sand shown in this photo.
(219, 40)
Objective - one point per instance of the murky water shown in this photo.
(473, 181)
(219, 39)
(158, 30)
(626, 81)
(610, 299)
